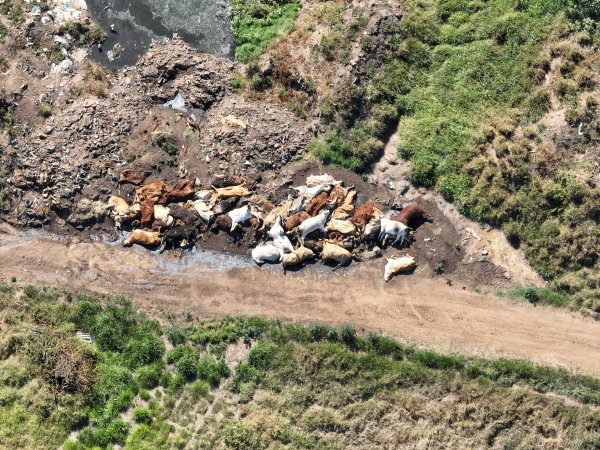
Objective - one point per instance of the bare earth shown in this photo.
(416, 308)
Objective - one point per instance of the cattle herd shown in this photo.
(319, 219)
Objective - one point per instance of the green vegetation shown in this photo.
(167, 143)
(469, 83)
(83, 34)
(299, 386)
(257, 23)
(55, 54)
(542, 296)
(45, 110)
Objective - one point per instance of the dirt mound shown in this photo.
(77, 152)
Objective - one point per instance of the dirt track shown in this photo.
(415, 308)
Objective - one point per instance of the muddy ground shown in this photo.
(417, 308)
(102, 123)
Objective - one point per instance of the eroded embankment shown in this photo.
(417, 308)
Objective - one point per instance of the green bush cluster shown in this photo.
(83, 33)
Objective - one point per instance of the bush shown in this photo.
(144, 349)
(320, 331)
(176, 335)
(239, 437)
(199, 390)
(348, 335)
(45, 110)
(148, 377)
(323, 420)
(262, 354)
(116, 432)
(142, 415)
(437, 361)
(187, 366)
(531, 295)
(212, 371)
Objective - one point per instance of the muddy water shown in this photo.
(202, 23)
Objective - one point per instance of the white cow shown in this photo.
(397, 265)
(240, 215)
(280, 240)
(313, 224)
(266, 252)
(396, 230)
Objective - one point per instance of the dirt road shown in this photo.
(415, 308)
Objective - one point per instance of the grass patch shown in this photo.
(300, 386)
(257, 23)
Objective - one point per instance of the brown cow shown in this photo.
(294, 220)
(147, 208)
(135, 177)
(222, 223)
(183, 190)
(412, 216)
(316, 204)
(362, 215)
(156, 190)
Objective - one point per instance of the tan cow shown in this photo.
(398, 265)
(332, 252)
(231, 191)
(298, 256)
(142, 237)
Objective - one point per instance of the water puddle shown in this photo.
(132, 25)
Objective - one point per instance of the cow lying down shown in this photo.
(398, 265)
(142, 237)
(297, 257)
(266, 252)
(332, 252)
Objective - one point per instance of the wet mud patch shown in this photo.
(203, 24)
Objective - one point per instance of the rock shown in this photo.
(87, 212)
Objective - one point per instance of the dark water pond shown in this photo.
(202, 23)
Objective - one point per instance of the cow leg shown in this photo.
(163, 245)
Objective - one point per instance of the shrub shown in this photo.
(348, 334)
(45, 110)
(439, 268)
(239, 437)
(320, 331)
(323, 420)
(142, 415)
(531, 295)
(116, 432)
(148, 377)
(262, 354)
(144, 349)
(437, 361)
(176, 335)
(199, 390)
(187, 366)
(212, 371)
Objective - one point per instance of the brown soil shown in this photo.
(417, 308)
